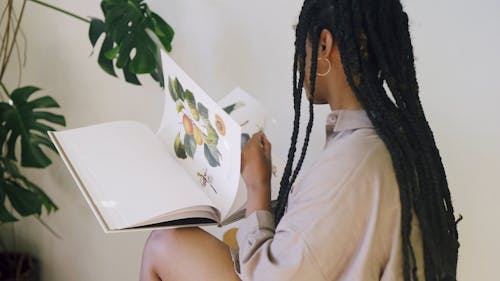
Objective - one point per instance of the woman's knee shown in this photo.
(161, 236)
(155, 254)
(165, 241)
(161, 239)
(172, 251)
(160, 253)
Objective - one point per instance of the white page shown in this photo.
(218, 181)
(249, 113)
(252, 117)
(128, 172)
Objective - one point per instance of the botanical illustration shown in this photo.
(205, 179)
(199, 133)
(232, 107)
(245, 137)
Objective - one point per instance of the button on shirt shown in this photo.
(343, 217)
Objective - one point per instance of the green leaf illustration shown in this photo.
(230, 108)
(189, 97)
(171, 90)
(179, 91)
(212, 137)
(190, 144)
(179, 148)
(203, 111)
(212, 154)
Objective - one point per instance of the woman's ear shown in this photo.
(326, 44)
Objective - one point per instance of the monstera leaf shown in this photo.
(21, 119)
(128, 27)
(24, 196)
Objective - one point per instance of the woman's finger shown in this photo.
(256, 139)
(266, 144)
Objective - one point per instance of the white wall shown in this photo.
(222, 44)
(456, 44)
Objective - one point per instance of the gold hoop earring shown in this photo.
(329, 67)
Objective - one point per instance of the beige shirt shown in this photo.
(342, 220)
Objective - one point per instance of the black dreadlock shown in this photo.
(375, 46)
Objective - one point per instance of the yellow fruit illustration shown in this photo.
(195, 114)
(197, 135)
(188, 125)
(219, 124)
(211, 137)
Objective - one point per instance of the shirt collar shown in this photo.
(346, 119)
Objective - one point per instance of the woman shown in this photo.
(374, 206)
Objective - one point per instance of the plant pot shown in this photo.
(18, 267)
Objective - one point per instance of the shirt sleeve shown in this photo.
(267, 254)
(337, 224)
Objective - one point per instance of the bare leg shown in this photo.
(186, 254)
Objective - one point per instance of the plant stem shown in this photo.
(5, 89)
(9, 50)
(61, 10)
(13, 233)
(49, 228)
(4, 49)
(2, 244)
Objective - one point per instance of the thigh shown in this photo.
(189, 254)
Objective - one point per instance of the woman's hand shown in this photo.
(256, 170)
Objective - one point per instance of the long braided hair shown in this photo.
(375, 46)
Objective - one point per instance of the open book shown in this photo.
(187, 173)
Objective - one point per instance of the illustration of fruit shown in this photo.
(190, 145)
(195, 114)
(219, 124)
(244, 139)
(179, 106)
(211, 137)
(198, 138)
(188, 125)
(197, 133)
(179, 148)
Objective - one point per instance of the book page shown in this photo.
(126, 173)
(252, 117)
(249, 113)
(201, 136)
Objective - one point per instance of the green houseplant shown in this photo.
(132, 35)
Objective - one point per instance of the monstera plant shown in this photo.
(132, 35)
